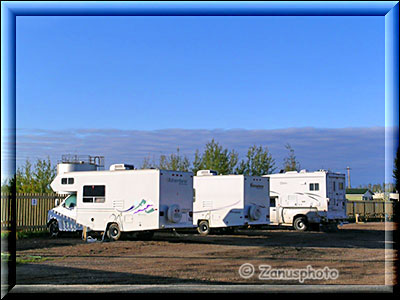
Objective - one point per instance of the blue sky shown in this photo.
(146, 74)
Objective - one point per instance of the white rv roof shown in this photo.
(303, 173)
(103, 172)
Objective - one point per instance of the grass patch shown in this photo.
(5, 257)
(5, 234)
(25, 234)
(31, 234)
(26, 259)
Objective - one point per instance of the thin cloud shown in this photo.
(363, 149)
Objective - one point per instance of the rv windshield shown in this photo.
(70, 201)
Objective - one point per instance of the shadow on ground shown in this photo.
(48, 274)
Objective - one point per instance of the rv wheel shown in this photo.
(53, 229)
(203, 228)
(300, 224)
(113, 232)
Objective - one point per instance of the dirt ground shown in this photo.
(356, 251)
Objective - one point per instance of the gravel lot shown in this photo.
(356, 251)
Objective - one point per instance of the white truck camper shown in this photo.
(305, 200)
(123, 200)
(229, 201)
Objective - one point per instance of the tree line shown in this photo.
(32, 178)
(36, 178)
(258, 161)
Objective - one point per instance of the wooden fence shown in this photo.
(31, 210)
(382, 210)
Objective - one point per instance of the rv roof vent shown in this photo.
(303, 171)
(118, 167)
(206, 173)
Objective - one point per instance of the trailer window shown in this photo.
(94, 193)
(314, 186)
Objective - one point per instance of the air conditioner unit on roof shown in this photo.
(206, 173)
(118, 167)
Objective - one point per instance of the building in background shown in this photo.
(359, 194)
(386, 197)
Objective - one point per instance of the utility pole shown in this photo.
(348, 177)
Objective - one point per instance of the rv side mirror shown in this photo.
(57, 202)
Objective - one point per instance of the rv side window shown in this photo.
(334, 186)
(67, 181)
(94, 193)
(314, 186)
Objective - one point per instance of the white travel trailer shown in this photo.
(307, 199)
(126, 200)
(228, 201)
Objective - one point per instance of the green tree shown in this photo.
(33, 178)
(43, 174)
(216, 158)
(197, 163)
(290, 162)
(8, 186)
(396, 170)
(148, 164)
(25, 182)
(174, 162)
(377, 188)
(258, 162)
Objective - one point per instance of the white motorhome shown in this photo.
(228, 201)
(307, 199)
(62, 218)
(125, 200)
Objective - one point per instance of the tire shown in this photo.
(203, 228)
(255, 213)
(54, 229)
(300, 224)
(113, 232)
(174, 214)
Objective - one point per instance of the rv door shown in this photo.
(274, 209)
